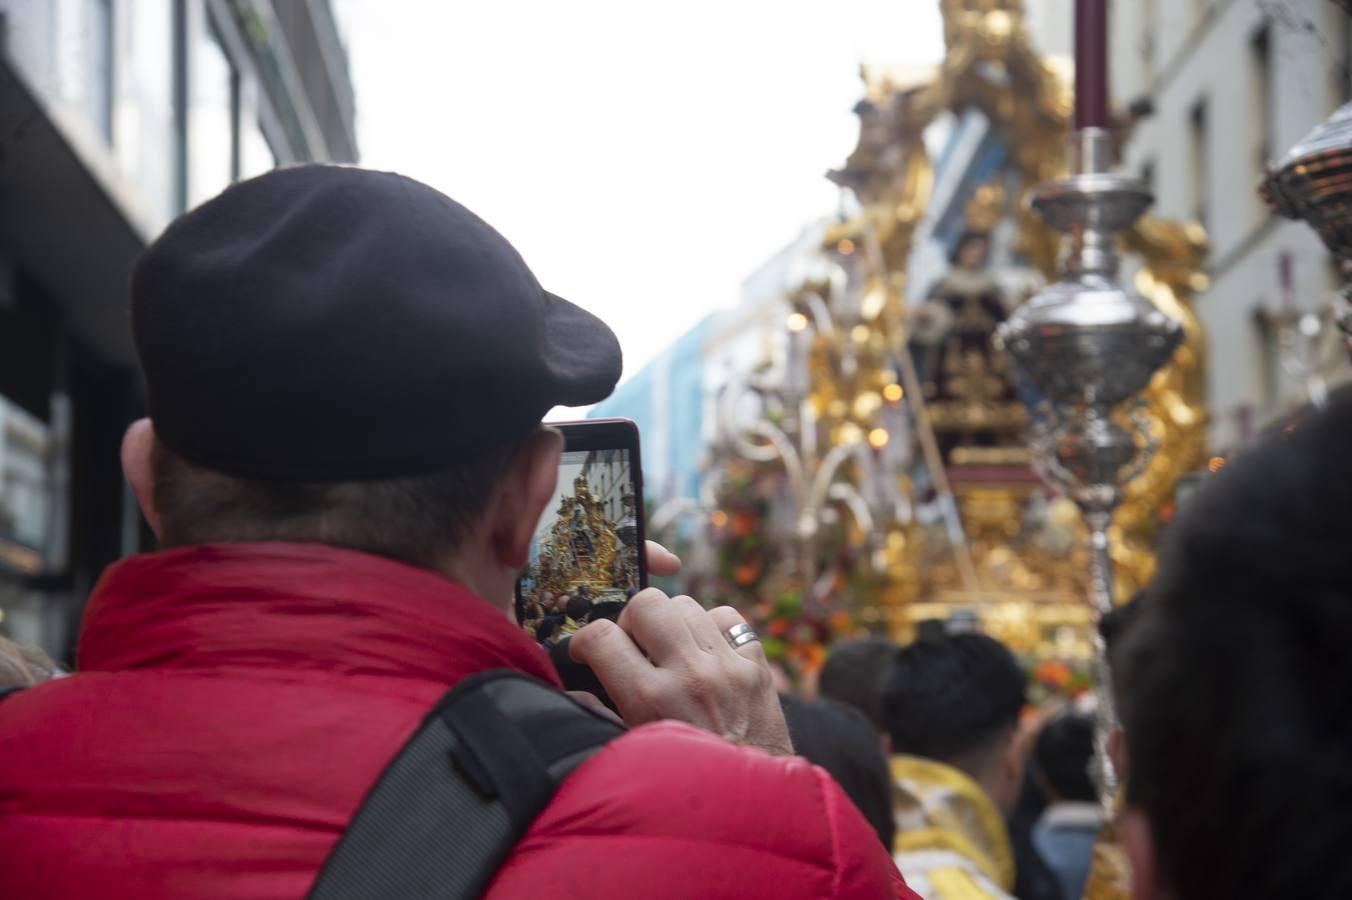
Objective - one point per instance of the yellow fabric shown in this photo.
(938, 807)
(954, 884)
(1109, 875)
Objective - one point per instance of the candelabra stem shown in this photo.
(1101, 593)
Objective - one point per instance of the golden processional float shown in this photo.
(882, 475)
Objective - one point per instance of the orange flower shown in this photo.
(816, 655)
(777, 627)
(743, 523)
(1052, 672)
(747, 573)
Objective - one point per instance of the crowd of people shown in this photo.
(334, 558)
(553, 617)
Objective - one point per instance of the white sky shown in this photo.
(644, 157)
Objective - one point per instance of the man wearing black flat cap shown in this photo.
(344, 463)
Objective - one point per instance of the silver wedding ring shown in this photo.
(740, 634)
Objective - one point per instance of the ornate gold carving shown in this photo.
(582, 549)
(1174, 254)
(990, 66)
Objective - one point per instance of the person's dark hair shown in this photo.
(1236, 676)
(418, 520)
(547, 628)
(578, 606)
(853, 674)
(1064, 748)
(952, 698)
(970, 236)
(843, 742)
(609, 609)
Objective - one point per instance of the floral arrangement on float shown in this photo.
(1056, 682)
(756, 573)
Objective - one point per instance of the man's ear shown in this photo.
(1139, 845)
(1008, 774)
(1015, 755)
(526, 489)
(138, 448)
(1117, 751)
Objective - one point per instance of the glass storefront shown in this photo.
(29, 521)
(144, 112)
(213, 91)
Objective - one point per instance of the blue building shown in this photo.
(666, 399)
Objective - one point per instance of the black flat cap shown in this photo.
(320, 323)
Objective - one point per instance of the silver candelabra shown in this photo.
(1313, 182)
(1088, 344)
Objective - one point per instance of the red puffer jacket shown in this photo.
(235, 703)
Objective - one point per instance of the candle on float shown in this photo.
(796, 358)
(1091, 64)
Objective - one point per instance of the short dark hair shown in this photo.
(853, 674)
(1235, 677)
(607, 609)
(418, 520)
(948, 698)
(578, 606)
(1064, 749)
(547, 628)
(844, 743)
(970, 236)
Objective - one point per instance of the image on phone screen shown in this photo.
(586, 554)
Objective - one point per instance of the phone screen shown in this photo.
(586, 556)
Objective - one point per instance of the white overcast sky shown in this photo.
(644, 157)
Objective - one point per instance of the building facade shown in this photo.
(115, 116)
(1234, 84)
(666, 400)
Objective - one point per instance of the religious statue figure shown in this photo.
(967, 383)
(581, 545)
(582, 553)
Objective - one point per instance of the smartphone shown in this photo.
(587, 554)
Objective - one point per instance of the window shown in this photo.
(256, 155)
(1260, 89)
(213, 108)
(1147, 41)
(1338, 48)
(144, 112)
(1197, 163)
(99, 89)
(24, 489)
(1148, 175)
(1269, 370)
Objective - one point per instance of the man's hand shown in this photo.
(661, 561)
(690, 672)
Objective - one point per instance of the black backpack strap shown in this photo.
(463, 790)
